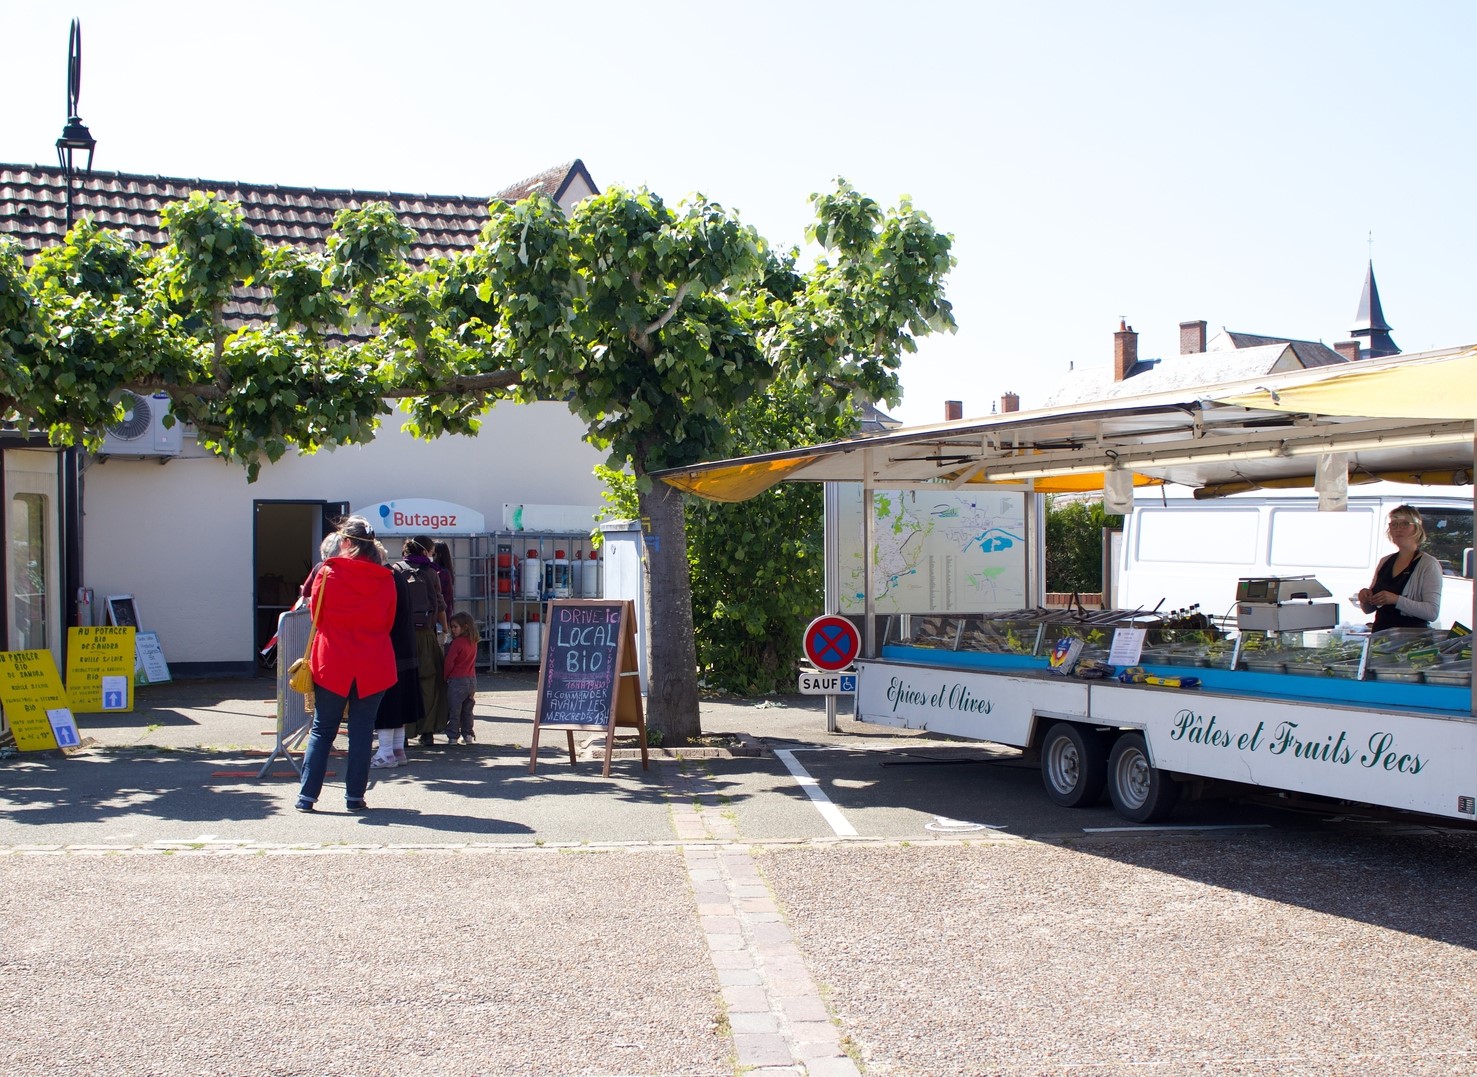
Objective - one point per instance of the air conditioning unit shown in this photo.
(142, 431)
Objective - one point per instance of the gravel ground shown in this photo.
(1288, 956)
(382, 963)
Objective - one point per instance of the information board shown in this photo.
(122, 611)
(149, 666)
(100, 664)
(588, 677)
(35, 702)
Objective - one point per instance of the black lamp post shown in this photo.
(75, 135)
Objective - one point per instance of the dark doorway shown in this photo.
(287, 535)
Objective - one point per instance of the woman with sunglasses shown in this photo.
(1406, 590)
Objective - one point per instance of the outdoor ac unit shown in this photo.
(142, 431)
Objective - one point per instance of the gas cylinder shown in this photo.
(556, 576)
(509, 635)
(590, 577)
(532, 637)
(533, 575)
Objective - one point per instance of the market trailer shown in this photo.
(1403, 419)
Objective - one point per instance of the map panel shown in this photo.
(944, 551)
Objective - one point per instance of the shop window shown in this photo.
(28, 572)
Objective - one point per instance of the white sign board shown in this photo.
(422, 516)
(984, 706)
(149, 664)
(813, 683)
(941, 551)
(1399, 760)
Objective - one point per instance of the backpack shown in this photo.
(423, 589)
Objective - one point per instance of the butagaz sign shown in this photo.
(422, 516)
(1380, 750)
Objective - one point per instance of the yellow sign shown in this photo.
(100, 665)
(35, 703)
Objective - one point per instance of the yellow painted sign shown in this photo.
(35, 702)
(100, 665)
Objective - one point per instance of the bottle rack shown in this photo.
(522, 571)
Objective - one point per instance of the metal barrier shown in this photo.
(293, 717)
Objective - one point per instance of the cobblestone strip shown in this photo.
(779, 1021)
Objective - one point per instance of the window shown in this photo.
(1304, 538)
(1448, 535)
(28, 572)
(1208, 536)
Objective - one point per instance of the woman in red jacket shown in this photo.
(352, 659)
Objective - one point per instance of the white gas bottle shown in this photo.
(532, 638)
(590, 577)
(509, 635)
(556, 576)
(532, 580)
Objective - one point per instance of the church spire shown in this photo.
(1370, 328)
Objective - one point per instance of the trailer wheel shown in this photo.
(1141, 792)
(1074, 765)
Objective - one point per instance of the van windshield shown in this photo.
(1448, 535)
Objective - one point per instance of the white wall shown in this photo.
(178, 535)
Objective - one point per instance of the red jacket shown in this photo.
(461, 658)
(354, 602)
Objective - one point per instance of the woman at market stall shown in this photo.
(1406, 590)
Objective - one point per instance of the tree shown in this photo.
(1074, 544)
(654, 323)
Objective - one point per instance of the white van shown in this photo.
(1178, 552)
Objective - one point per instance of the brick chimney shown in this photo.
(1125, 350)
(1349, 349)
(953, 409)
(1009, 402)
(1192, 338)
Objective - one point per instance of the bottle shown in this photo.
(590, 577)
(507, 649)
(556, 576)
(533, 575)
(532, 641)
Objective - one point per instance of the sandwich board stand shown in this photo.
(587, 676)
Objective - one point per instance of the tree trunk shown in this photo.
(671, 701)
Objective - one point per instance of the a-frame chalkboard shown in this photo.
(587, 675)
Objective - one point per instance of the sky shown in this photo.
(1157, 162)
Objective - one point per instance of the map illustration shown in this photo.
(944, 551)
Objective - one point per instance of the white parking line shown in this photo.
(829, 812)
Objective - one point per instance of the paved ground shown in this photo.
(859, 901)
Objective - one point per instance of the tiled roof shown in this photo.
(1309, 352)
(33, 211)
(33, 206)
(1178, 372)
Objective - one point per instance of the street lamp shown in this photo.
(75, 135)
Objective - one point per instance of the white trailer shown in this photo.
(1402, 745)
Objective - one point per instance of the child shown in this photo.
(461, 679)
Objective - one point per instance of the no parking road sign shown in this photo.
(832, 642)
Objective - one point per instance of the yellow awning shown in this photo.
(1441, 387)
(738, 482)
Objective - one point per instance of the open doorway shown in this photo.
(286, 540)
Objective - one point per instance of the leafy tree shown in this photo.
(655, 323)
(1074, 544)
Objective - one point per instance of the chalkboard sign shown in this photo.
(122, 611)
(588, 677)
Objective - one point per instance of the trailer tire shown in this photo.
(1074, 765)
(1141, 792)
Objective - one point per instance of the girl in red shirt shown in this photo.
(461, 678)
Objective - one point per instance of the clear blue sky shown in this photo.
(1161, 162)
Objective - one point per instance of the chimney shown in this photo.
(1192, 338)
(1125, 350)
(1010, 402)
(1349, 349)
(953, 409)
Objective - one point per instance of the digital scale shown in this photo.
(1283, 604)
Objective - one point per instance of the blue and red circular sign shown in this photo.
(832, 642)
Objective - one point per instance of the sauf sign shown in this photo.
(832, 644)
(827, 684)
